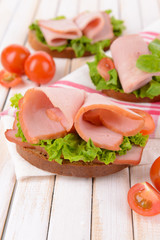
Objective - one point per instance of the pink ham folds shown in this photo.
(132, 157)
(56, 32)
(125, 52)
(48, 113)
(105, 122)
(95, 25)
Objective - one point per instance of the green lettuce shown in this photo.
(74, 148)
(118, 25)
(15, 99)
(100, 82)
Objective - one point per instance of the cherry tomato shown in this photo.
(155, 173)
(13, 58)
(144, 199)
(9, 79)
(104, 65)
(40, 67)
(149, 125)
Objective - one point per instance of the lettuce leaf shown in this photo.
(139, 139)
(148, 63)
(118, 25)
(154, 47)
(59, 17)
(15, 99)
(100, 82)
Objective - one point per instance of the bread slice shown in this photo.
(129, 97)
(76, 169)
(66, 53)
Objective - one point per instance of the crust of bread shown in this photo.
(129, 97)
(76, 169)
(66, 53)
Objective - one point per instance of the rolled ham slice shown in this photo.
(10, 135)
(48, 113)
(95, 25)
(125, 52)
(56, 32)
(132, 157)
(105, 122)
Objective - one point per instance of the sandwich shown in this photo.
(69, 132)
(133, 72)
(70, 38)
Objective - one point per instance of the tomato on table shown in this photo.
(9, 79)
(155, 173)
(13, 58)
(144, 199)
(149, 125)
(104, 65)
(40, 67)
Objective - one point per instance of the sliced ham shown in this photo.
(10, 135)
(48, 113)
(106, 122)
(57, 32)
(132, 157)
(95, 25)
(125, 52)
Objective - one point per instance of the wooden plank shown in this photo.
(130, 13)
(111, 216)
(76, 63)
(113, 5)
(19, 24)
(7, 11)
(17, 30)
(47, 9)
(7, 179)
(88, 5)
(24, 214)
(151, 151)
(71, 210)
(144, 227)
(149, 12)
(30, 211)
(68, 8)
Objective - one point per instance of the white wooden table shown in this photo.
(66, 208)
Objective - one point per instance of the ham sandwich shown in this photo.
(125, 52)
(94, 25)
(50, 113)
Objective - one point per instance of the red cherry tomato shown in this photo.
(13, 58)
(155, 173)
(149, 125)
(40, 67)
(144, 199)
(9, 79)
(104, 65)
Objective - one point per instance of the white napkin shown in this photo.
(24, 169)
